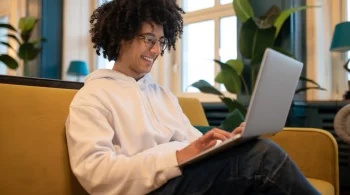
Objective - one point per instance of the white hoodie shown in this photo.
(123, 135)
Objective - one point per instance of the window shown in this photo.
(210, 32)
(194, 5)
(3, 48)
(198, 46)
(103, 63)
(225, 1)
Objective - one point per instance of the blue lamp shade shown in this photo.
(78, 68)
(341, 37)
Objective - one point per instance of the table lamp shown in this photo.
(78, 68)
(341, 43)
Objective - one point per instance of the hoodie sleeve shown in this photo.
(191, 132)
(100, 170)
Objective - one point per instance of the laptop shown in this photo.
(270, 102)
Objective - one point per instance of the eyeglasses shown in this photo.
(150, 40)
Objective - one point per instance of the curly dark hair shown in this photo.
(119, 20)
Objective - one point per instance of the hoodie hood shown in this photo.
(115, 75)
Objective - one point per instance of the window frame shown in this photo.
(214, 13)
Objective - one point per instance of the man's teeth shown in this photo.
(147, 58)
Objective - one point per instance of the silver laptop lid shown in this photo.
(273, 94)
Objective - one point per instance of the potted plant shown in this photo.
(256, 34)
(27, 49)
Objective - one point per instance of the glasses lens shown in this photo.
(164, 43)
(149, 40)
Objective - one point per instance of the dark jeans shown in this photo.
(255, 167)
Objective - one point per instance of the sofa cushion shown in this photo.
(323, 187)
(34, 155)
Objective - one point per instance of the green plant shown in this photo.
(256, 34)
(27, 50)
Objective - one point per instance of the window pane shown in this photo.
(100, 2)
(228, 40)
(103, 63)
(225, 1)
(193, 5)
(3, 48)
(198, 54)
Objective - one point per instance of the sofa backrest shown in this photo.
(32, 141)
(34, 155)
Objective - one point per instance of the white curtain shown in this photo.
(323, 66)
(76, 38)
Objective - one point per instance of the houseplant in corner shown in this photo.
(27, 49)
(256, 34)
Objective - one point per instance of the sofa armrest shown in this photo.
(315, 151)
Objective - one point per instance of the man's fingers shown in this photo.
(225, 133)
(212, 135)
(237, 130)
(210, 144)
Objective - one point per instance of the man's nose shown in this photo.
(156, 48)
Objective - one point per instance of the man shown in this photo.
(127, 136)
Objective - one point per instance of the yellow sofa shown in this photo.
(34, 158)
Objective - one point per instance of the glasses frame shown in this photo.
(145, 40)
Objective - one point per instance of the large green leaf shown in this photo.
(13, 37)
(254, 41)
(229, 103)
(9, 61)
(7, 44)
(27, 23)
(8, 26)
(283, 51)
(38, 41)
(232, 121)
(309, 80)
(269, 18)
(237, 65)
(219, 78)
(246, 35)
(28, 51)
(229, 77)
(26, 36)
(243, 9)
(263, 38)
(307, 88)
(234, 104)
(206, 87)
(285, 14)
(232, 82)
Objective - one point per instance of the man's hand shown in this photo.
(205, 142)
